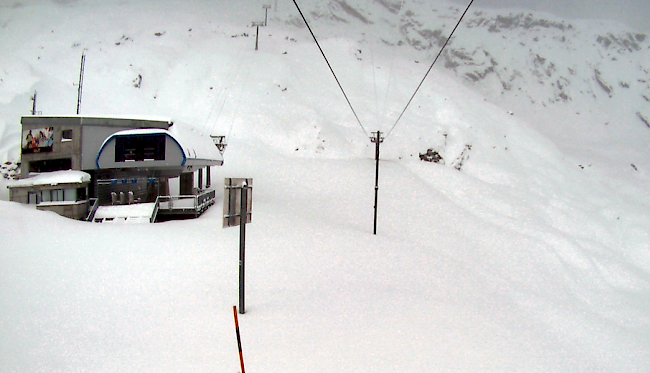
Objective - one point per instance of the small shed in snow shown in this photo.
(64, 192)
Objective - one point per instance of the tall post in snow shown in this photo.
(257, 32)
(243, 216)
(237, 189)
(377, 139)
(266, 13)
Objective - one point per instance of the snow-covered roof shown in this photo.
(139, 131)
(86, 120)
(194, 144)
(53, 178)
(152, 118)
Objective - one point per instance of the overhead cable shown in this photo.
(430, 67)
(330, 66)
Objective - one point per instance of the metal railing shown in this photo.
(188, 203)
(156, 208)
(94, 202)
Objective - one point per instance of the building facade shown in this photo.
(128, 160)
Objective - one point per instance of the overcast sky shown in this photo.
(634, 13)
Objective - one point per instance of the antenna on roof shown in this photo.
(34, 111)
(81, 80)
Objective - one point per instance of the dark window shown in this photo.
(66, 135)
(81, 194)
(140, 148)
(49, 165)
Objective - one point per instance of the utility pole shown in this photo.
(377, 139)
(81, 81)
(257, 32)
(266, 14)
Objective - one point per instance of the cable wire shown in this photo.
(392, 63)
(222, 92)
(430, 67)
(330, 67)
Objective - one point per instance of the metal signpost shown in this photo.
(238, 210)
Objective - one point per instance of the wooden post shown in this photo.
(241, 355)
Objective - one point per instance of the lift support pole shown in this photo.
(377, 139)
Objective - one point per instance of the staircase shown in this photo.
(134, 213)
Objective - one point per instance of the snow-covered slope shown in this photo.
(535, 256)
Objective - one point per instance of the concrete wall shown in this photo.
(61, 148)
(88, 136)
(77, 210)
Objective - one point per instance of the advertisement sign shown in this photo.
(38, 140)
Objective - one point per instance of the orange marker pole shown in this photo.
(241, 356)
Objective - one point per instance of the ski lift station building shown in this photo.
(114, 169)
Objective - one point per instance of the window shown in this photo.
(140, 148)
(57, 194)
(66, 135)
(52, 195)
(70, 195)
(46, 196)
(81, 194)
(49, 165)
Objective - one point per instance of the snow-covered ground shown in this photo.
(533, 257)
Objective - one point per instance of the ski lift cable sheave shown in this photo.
(430, 67)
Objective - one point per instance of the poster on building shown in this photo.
(38, 140)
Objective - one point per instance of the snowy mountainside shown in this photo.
(566, 77)
(527, 251)
(522, 50)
